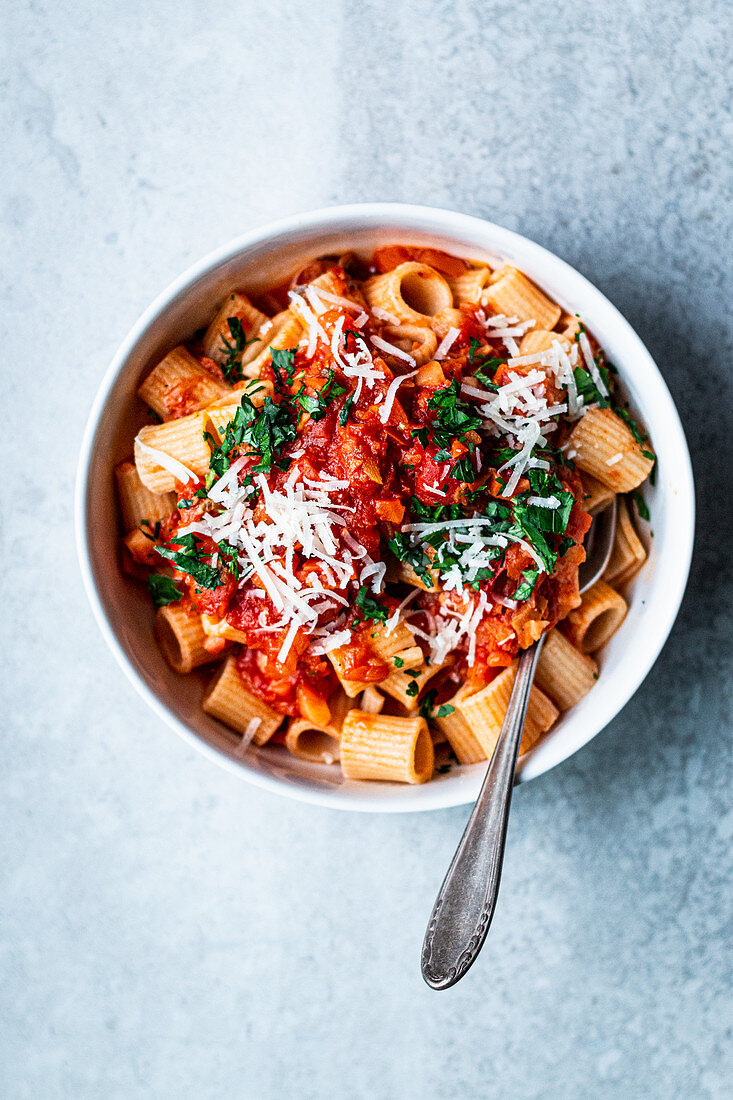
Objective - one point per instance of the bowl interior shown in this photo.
(123, 607)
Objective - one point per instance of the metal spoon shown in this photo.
(465, 905)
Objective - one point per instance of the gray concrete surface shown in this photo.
(167, 931)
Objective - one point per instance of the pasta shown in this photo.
(137, 504)
(232, 335)
(563, 672)
(604, 447)
(628, 554)
(320, 743)
(369, 490)
(174, 452)
(180, 385)
(182, 638)
(377, 747)
(511, 293)
(597, 619)
(229, 700)
(474, 726)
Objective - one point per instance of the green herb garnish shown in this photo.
(369, 608)
(641, 505)
(316, 405)
(526, 587)
(153, 531)
(263, 431)
(453, 417)
(189, 559)
(283, 365)
(163, 590)
(231, 368)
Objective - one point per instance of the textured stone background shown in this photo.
(168, 931)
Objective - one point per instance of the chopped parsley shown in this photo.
(453, 417)
(463, 470)
(412, 689)
(189, 559)
(641, 505)
(229, 555)
(545, 485)
(283, 365)
(163, 590)
(526, 586)
(316, 405)
(263, 431)
(369, 608)
(414, 556)
(153, 532)
(427, 704)
(433, 514)
(588, 391)
(427, 707)
(483, 365)
(345, 410)
(231, 368)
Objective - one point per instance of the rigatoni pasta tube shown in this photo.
(178, 384)
(419, 341)
(603, 445)
(221, 413)
(539, 340)
(376, 746)
(218, 340)
(596, 495)
(371, 700)
(628, 554)
(283, 331)
(599, 616)
(182, 638)
(141, 548)
(407, 685)
(411, 292)
(460, 736)
(512, 293)
(229, 700)
(467, 288)
(319, 743)
(137, 503)
(399, 642)
(563, 672)
(171, 452)
(474, 732)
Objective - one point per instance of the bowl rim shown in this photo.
(453, 791)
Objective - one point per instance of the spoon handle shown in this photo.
(465, 905)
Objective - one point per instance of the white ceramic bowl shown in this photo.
(252, 261)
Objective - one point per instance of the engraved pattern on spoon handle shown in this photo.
(465, 904)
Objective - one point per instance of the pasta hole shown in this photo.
(318, 746)
(600, 630)
(424, 755)
(171, 645)
(425, 292)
